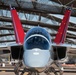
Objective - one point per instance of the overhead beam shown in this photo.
(56, 19)
(40, 8)
(6, 28)
(52, 34)
(7, 41)
(18, 3)
(3, 35)
(34, 23)
(59, 20)
(10, 27)
(66, 2)
(51, 17)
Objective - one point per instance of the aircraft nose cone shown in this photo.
(35, 58)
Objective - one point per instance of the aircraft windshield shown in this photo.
(38, 30)
(37, 42)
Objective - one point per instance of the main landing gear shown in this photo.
(33, 71)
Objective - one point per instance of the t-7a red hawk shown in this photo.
(35, 47)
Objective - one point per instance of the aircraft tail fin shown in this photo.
(61, 35)
(19, 32)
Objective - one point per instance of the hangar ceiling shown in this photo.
(36, 12)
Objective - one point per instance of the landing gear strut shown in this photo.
(61, 70)
(35, 72)
(51, 69)
(17, 68)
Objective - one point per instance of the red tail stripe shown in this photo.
(19, 32)
(61, 35)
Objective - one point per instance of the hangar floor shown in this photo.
(12, 73)
(9, 70)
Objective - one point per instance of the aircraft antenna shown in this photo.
(39, 19)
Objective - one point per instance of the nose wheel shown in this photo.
(33, 73)
(30, 72)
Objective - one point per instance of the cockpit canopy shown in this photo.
(37, 38)
(38, 30)
(37, 42)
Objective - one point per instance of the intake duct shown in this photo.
(59, 52)
(17, 52)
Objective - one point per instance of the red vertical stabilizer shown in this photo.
(61, 35)
(19, 32)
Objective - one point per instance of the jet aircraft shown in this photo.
(35, 47)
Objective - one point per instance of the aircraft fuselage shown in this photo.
(37, 48)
